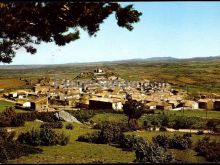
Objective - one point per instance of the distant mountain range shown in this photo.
(146, 60)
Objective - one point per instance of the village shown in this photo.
(105, 91)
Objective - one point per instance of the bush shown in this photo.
(9, 118)
(109, 134)
(187, 135)
(152, 153)
(89, 137)
(212, 124)
(163, 128)
(177, 142)
(10, 149)
(147, 125)
(17, 121)
(123, 126)
(44, 116)
(51, 125)
(69, 126)
(44, 137)
(180, 142)
(130, 142)
(161, 140)
(209, 149)
(200, 132)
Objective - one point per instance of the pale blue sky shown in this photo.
(175, 29)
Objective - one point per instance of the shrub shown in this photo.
(51, 125)
(180, 142)
(130, 142)
(163, 128)
(10, 149)
(164, 120)
(152, 153)
(212, 124)
(109, 134)
(147, 125)
(44, 137)
(89, 137)
(17, 121)
(209, 149)
(187, 135)
(69, 126)
(9, 118)
(200, 132)
(44, 116)
(123, 126)
(161, 140)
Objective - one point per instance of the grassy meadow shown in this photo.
(5, 104)
(82, 152)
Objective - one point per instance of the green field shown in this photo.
(75, 152)
(81, 152)
(5, 104)
(122, 118)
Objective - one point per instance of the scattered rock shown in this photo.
(63, 115)
(37, 120)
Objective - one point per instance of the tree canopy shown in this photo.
(133, 109)
(24, 24)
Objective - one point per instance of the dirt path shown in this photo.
(186, 130)
(7, 100)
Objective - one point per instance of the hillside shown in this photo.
(195, 74)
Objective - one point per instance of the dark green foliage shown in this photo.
(147, 125)
(25, 24)
(109, 134)
(18, 121)
(200, 132)
(152, 153)
(180, 142)
(187, 135)
(176, 122)
(163, 128)
(51, 125)
(148, 111)
(213, 124)
(45, 137)
(177, 142)
(10, 149)
(123, 126)
(69, 126)
(130, 142)
(82, 115)
(9, 118)
(161, 140)
(134, 110)
(44, 116)
(89, 137)
(182, 122)
(209, 149)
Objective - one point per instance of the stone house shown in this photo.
(23, 104)
(105, 103)
(40, 104)
(217, 105)
(206, 104)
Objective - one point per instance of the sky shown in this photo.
(166, 29)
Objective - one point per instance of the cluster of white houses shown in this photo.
(107, 93)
